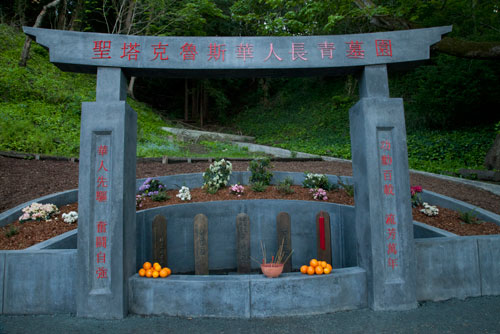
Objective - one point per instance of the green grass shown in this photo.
(40, 109)
(312, 116)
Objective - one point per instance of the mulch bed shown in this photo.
(24, 180)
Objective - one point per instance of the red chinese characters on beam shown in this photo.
(130, 51)
(298, 51)
(216, 51)
(102, 49)
(244, 51)
(188, 52)
(272, 53)
(383, 47)
(326, 49)
(355, 50)
(159, 50)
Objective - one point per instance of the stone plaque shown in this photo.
(200, 244)
(323, 237)
(160, 240)
(243, 243)
(284, 232)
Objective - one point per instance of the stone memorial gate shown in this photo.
(106, 192)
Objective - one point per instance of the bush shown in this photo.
(316, 181)
(258, 186)
(285, 186)
(217, 175)
(259, 172)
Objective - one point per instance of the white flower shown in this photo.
(184, 194)
(70, 217)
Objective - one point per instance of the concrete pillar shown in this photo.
(382, 194)
(106, 200)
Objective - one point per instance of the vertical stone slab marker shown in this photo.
(106, 200)
(284, 232)
(160, 240)
(243, 243)
(200, 244)
(382, 212)
(323, 237)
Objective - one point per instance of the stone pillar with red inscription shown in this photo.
(384, 224)
(106, 200)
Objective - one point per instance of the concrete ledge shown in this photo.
(66, 240)
(448, 268)
(2, 275)
(196, 134)
(297, 294)
(39, 282)
(489, 264)
(457, 205)
(197, 296)
(248, 296)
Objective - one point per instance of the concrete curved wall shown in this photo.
(262, 213)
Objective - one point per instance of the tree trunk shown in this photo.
(130, 89)
(75, 21)
(130, 17)
(61, 19)
(27, 42)
(468, 49)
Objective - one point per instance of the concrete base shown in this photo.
(248, 296)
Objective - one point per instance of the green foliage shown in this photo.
(349, 188)
(217, 175)
(258, 186)
(160, 197)
(11, 231)
(259, 172)
(315, 181)
(469, 217)
(285, 186)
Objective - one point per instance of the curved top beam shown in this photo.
(234, 56)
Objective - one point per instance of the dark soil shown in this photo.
(25, 180)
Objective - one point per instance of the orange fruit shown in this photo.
(326, 271)
(147, 265)
(319, 270)
(157, 266)
(168, 271)
(155, 274)
(323, 264)
(149, 272)
(313, 263)
(142, 272)
(164, 272)
(329, 266)
(310, 270)
(303, 269)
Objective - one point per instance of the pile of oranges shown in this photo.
(316, 267)
(153, 270)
